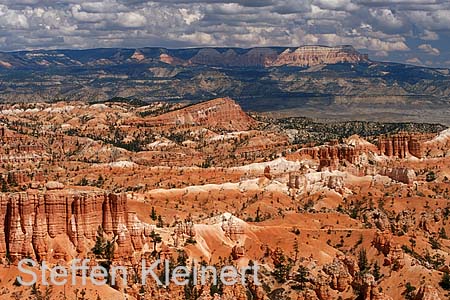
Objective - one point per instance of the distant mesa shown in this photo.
(213, 57)
(269, 57)
(317, 55)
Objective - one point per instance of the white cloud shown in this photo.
(429, 49)
(429, 36)
(381, 27)
(386, 17)
(337, 4)
(190, 16)
(199, 38)
(414, 61)
(12, 19)
(131, 20)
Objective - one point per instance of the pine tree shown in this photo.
(4, 185)
(153, 214)
(100, 181)
(100, 242)
(445, 281)
(443, 233)
(160, 223)
(376, 271)
(409, 291)
(281, 266)
(156, 239)
(301, 278)
(363, 262)
(11, 179)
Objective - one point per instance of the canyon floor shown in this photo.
(335, 210)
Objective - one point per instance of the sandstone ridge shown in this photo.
(221, 113)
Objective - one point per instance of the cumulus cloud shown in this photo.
(414, 61)
(429, 49)
(429, 35)
(382, 28)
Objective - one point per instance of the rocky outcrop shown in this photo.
(137, 55)
(238, 252)
(377, 219)
(393, 253)
(312, 182)
(316, 55)
(439, 146)
(334, 154)
(23, 177)
(331, 156)
(402, 145)
(54, 185)
(171, 60)
(222, 113)
(403, 175)
(427, 292)
(383, 242)
(339, 275)
(322, 287)
(370, 289)
(34, 220)
(429, 222)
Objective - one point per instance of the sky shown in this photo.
(411, 31)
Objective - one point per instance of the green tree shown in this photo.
(301, 278)
(434, 243)
(83, 182)
(190, 290)
(103, 250)
(445, 281)
(4, 185)
(282, 267)
(100, 242)
(413, 243)
(258, 215)
(11, 179)
(443, 233)
(153, 214)
(376, 271)
(39, 295)
(100, 181)
(431, 176)
(156, 239)
(160, 223)
(409, 291)
(296, 250)
(363, 262)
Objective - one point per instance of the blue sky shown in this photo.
(413, 31)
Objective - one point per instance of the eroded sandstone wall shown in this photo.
(403, 144)
(34, 220)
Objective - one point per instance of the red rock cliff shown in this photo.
(316, 55)
(403, 144)
(36, 222)
(221, 113)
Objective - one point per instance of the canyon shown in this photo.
(329, 211)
